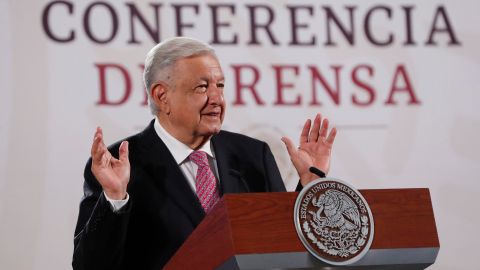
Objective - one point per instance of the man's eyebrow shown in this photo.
(222, 78)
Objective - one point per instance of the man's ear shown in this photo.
(159, 94)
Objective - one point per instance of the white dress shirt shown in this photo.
(180, 153)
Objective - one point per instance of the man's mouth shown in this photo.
(212, 114)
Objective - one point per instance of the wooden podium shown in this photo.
(256, 231)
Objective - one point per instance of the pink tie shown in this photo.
(206, 183)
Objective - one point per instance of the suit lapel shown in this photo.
(168, 175)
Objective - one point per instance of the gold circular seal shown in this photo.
(333, 221)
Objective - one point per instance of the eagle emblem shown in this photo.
(333, 221)
(336, 210)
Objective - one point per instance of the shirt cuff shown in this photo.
(117, 205)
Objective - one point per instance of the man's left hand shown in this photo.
(314, 150)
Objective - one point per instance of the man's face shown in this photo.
(196, 102)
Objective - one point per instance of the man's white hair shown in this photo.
(161, 58)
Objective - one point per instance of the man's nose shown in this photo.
(215, 94)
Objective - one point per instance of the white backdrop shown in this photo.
(424, 135)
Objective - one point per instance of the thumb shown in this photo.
(123, 155)
(289, 144)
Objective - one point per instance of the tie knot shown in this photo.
(200, 158)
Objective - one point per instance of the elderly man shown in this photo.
(144, 196)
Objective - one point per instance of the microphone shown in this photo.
(317, 172)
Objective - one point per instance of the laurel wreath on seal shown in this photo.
(336, 246)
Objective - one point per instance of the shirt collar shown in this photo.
(179, 150)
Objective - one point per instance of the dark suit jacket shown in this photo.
(162, 210)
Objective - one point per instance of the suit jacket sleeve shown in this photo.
(100, 233)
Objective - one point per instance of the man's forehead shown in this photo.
(205, 66)
(213, 75)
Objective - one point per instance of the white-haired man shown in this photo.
(144, 196)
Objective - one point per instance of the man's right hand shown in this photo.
(112, 174)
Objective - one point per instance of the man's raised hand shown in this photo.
(112, 174)
(314, 150)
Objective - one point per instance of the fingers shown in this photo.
(289, 144)
(98, 147)
(98, 133)
(324, 128)
(305, 132)
(123, 155)
(318, 130)
(331, 136)
(313, 137)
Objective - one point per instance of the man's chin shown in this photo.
(210, 130)
(216, 130)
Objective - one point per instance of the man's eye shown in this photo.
(220, 85)
(201, 88)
